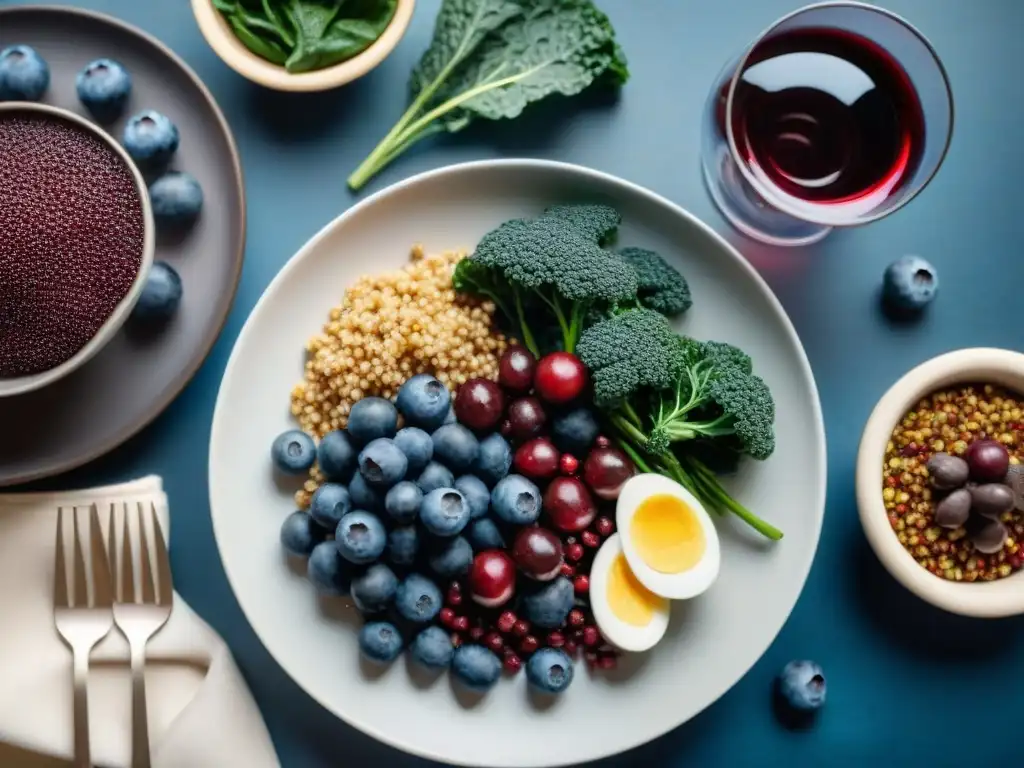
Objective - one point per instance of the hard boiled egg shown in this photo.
(668, 538)
(629, 615)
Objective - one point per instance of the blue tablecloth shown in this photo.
(907, 684)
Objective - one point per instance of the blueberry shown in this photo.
(336, 456)
(403, 501)
(432, 648)
(455, 447)
(103, 87)
(493, 460)
(329, 504)
(381, 463)
(484, 533)
(150, 138)
(177, 199)
(477, 494)
(374, 589)
(360, 537)
(293, 452)
(476, 667)
(417, 447)
(403, 545)
(444, 512)
(418, 599)
(160, 296)
(24, 75)
(370, 418)
(549, 670)
(299, 534)
(549, 603)
(424, 402)
(363, 496)
(574, 431)
(435, 476)
(801, 684)
(516, 500)
(328, 570)
(380, 642)
(909, 284)
(451, 557)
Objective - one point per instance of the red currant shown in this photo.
(576, 618)
(590, 539)
(581, 584)
(568, 464)
(506, 622)
(574, 552)
(460, 624)
(591, 636)
(512, 662)
(556, 639)
(447, 615)
(494, 641)
(568, 571)
(521, 628)
(604, 526)
(528, 644)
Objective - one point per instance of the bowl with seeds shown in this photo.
(940, 481)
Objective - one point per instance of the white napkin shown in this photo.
(201, 713)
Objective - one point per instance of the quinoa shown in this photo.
(947, 422)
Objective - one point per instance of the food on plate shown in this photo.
(479, 404)
(476, 667)
(450, 557)
(418, 599)
(490, 60)
(801, 686)
(659, 286)
(380, 642)
(403, 546)
(444, 512)
(950, 482)
(24, 74)
(293, 452)
(538, 553)
(537, 459)
(492, 578)
(177, 199)
(629, 615)
(476, 493)
(73, 237)
(300, 533)
(103, 87)
(330, 503)
(306, 35)
(549, 670)
(432, 648)
(328, 571)
(382, 462)
(374, 589)
(403, 502)
(606, 470)
(909, 284)
(360, 537)
(150, 138)
(160, 296)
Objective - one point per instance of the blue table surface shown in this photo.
(900, 673)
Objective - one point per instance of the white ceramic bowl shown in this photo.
(1004, 597)
(711, 641)
(22, 384)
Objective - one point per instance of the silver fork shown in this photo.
(82, 620)
(140, 615)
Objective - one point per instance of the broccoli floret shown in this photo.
(599, 222)
(555, 265)
(726, 354)
(659, 286)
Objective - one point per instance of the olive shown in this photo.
(988, 536)
(991, 499)
(988, 461)
(947, 472)
(953, 511)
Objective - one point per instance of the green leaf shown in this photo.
(279, 22)
(262, 27)
(345, 37)
(266, 49)
(225, 6)
(312, 17)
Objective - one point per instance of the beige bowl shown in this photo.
(1004, 597)
(222, 39)
(22, 384)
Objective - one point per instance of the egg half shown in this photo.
(629, 616)
(668, 538)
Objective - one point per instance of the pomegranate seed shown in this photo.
(576, 618)
(574, 552)
(460, 624)
(521, 628)
(571, 648)
(568, 571)
(456, 639)
(494, 641)
(591, 636)
(602, 441)
(447, 615)
(528, 644)
(607, 662)
(590, 657)
(604, 526)
(590, 539)
(581, 584)
(568, 464)
(556, 639)
(512, 662)
(506, 622)
(476, 633)
(454, 597)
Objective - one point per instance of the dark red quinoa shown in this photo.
(71, 240)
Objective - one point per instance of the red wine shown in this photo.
(826, 117)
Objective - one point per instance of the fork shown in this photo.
(82, 620)
(140, 615)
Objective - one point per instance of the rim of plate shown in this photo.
(585, 173)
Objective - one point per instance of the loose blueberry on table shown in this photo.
(801, 686)
(103, 88)
(151, 139)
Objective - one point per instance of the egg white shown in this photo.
(625, 637)
(674, 586)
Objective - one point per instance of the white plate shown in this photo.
(711, 642)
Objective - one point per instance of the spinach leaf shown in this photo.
(225, 6)
(345, 37)
(261, 46)
(491, 58)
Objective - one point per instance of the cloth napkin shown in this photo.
(201, 714)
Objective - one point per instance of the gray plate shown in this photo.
(136, 376)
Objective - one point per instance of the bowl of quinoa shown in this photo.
(943, 407)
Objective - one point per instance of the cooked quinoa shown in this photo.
(947, 422)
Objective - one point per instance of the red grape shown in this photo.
(569, 504)
(515, 369)
(538, 553)
(560, 377)
(479, 404)
(537, 459)
(606, 470)
(526, 418)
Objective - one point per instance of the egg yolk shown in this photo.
(630, 600)
(667, 534)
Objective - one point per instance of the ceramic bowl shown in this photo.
(22, 384)
(1004, 597)
(229, 48)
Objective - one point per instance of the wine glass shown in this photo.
(837, 115)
